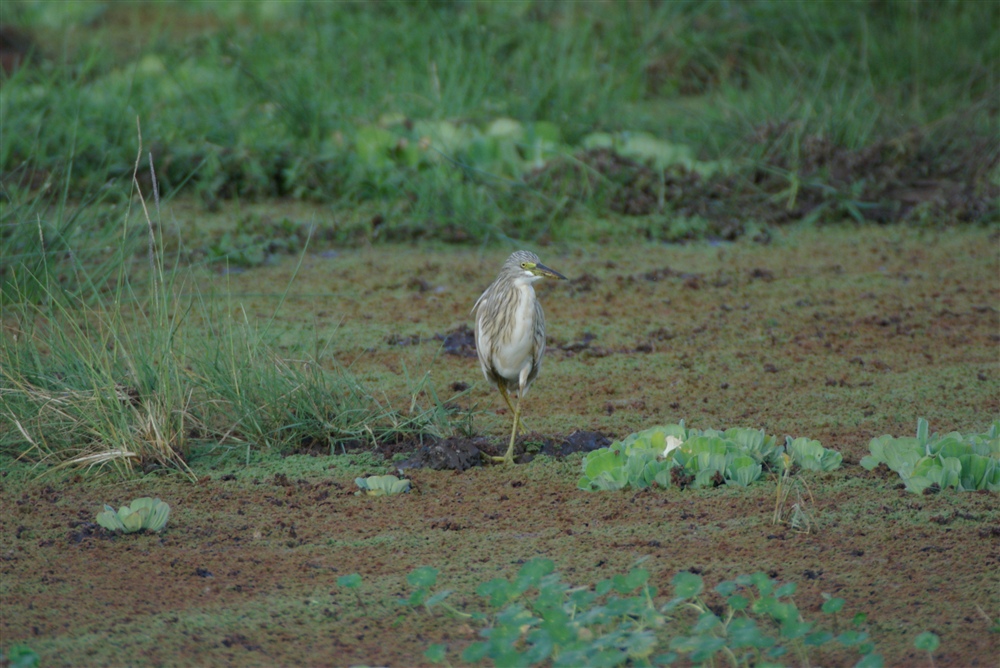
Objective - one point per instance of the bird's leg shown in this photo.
(506, 397)
(508, 457)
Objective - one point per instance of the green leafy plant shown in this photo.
(144, 513)
(423, 579)
(20, 656)
(436, 653)
(810, 454)
(663, 454)
(927, 642)
(535, 618)
(353, 583)
(382, 485)
(964, 461)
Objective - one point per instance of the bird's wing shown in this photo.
(481, 299)
(484, 344)
(538, 346)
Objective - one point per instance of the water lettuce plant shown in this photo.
(144, 513)
(736, 456)
(963, 461)
(382, 485)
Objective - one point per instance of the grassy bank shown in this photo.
(469, 121)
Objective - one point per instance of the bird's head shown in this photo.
(525, 265)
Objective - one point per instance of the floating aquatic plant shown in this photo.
(737, 456)
(382, 485)
(145, 513)
(963, 461)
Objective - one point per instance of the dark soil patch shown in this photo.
(459, 453)
(460, 341)
(914, 178)
(455, 453)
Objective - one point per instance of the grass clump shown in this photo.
(102, 366)
(926, 462)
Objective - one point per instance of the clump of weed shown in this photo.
(108, 374)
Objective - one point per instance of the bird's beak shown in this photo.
(542, 270)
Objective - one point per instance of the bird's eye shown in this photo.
(524, 265)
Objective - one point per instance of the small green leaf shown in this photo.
(22, 656)
(437, 598)
(818, 638)
(533, 571)
(158, 516)
(706, 622)
(870, 661)
(869, 462)
(349, 581)
(132, 521)
(436, 653)
(624, 584)
(108, 519)
(498, 590)
(744, 632)
(475, 652)
(777, 651)
(738, 602)
(425, 576)
(922, 430)
(726, 587)
(793, 628)
(852, 638)
(927, 642)
(665, 659)
(764, 584)
(786, 589)
(832, 605)
(687, 584)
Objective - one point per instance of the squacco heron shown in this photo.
(510, 332)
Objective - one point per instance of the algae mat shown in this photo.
(839, 335)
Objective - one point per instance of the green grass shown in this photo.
(114, 364)
(244, 100)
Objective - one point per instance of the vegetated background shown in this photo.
(597, 131)
(730, 115)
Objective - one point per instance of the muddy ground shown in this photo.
(838, 334)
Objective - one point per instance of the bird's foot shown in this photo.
(506, 459)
